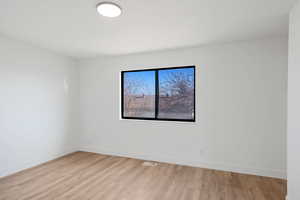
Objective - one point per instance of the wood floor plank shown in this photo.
(40, 170)
(83, 175)
(22, 191)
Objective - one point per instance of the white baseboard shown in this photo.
(202, 164)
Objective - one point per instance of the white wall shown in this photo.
(294, 106)
(241, 109)
(38, 103)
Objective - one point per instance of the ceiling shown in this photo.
(74, 28)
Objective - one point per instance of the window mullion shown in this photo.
(156, 94)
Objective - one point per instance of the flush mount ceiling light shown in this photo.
(109, 9)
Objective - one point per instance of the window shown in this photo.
(159, 94)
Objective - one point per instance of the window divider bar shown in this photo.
(156, 93)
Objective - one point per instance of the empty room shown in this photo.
(150, 100)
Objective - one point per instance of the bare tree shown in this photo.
(177, 93)
(130, 88)
(135, 100)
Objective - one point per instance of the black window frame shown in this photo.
(156, 70)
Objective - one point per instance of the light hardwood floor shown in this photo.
(83, 176)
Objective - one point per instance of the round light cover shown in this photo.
(109, 9)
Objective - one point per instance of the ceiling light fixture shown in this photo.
(109, 9)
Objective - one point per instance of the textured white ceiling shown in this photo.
(74, 28)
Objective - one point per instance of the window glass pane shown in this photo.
(176, 94)
(139, 94)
